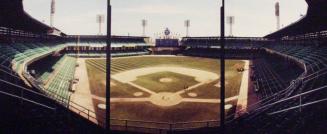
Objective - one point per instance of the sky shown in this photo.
(252, 17)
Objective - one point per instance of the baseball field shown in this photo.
(165, 88)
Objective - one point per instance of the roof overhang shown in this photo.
(314, 21)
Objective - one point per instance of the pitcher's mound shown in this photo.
(166, 80)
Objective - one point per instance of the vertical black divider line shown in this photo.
(108, 63)
(222, 67)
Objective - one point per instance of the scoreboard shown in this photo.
(167, 43)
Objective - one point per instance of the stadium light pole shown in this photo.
(222, 67)
(108, 63)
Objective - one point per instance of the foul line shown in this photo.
(129, 99)
(208, 100)
(141, 88)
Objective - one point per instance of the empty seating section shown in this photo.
(314, 57)
(63, 77)
(267, 81)
(45, 74)
(286, 111)
(14, 55)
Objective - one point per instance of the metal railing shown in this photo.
(66, 102)
(22, 93)
(159, 127)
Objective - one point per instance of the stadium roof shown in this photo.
(314, 21)
(12, 15)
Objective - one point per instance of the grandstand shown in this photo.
(43, 73)
(27, 106)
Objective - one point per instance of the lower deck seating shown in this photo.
(298, 108)
(15, 54)
(62, 77)
(24, 110)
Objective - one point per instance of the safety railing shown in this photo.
(159, 127)
(66, 102)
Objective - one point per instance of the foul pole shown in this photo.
(108, 63)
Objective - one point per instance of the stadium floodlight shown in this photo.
(144, 24)
(100, 20)
(52, 12)
(187, 25)
(277, 13)
(230, 21)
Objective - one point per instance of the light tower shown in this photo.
(187, 25)
(230, 21)
(52, 12)
(144, 24)
(100, 20)
(277, 13)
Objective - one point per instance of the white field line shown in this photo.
(141, 88)
(99, 98)
(208, 100)
(112, 100)
(193, 87)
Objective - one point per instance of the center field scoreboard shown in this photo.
(167, 43)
